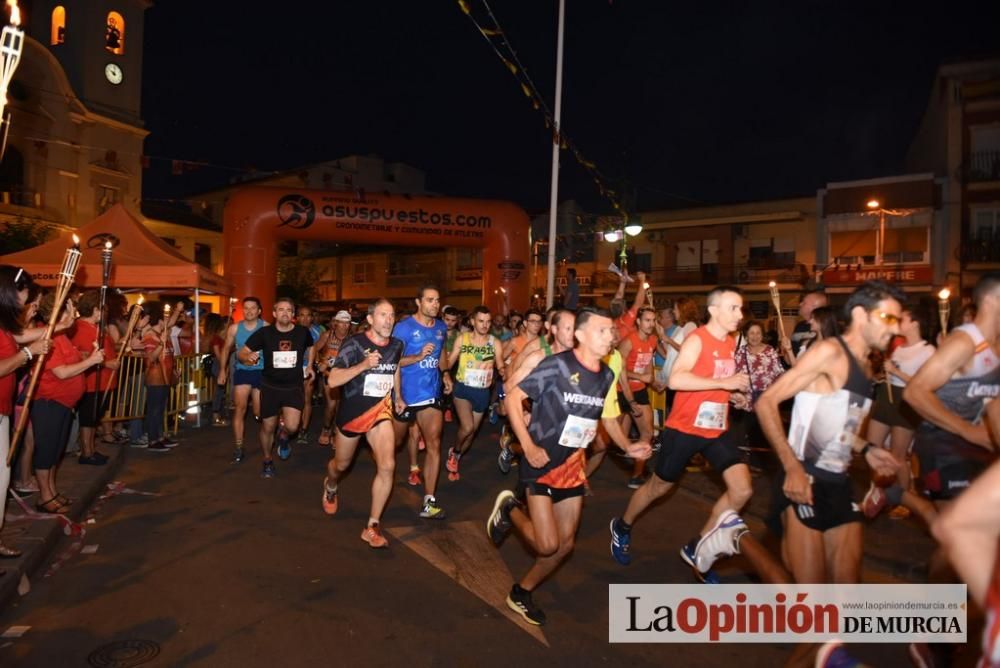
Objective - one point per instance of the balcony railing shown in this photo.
(21, 197)
(712, 274)
(981, 251)
(983, 166)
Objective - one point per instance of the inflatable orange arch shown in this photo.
(256, 218)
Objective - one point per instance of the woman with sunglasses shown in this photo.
(14, 288)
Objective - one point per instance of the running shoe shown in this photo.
(170, 442)
(452, 477)
(93, 460)
(303, 437)
(284, 446)
(237, 455)
(620, 543)
(499, 525)
(267, 471)
(833, 655)
(141, 442)
(722, 540)
(373, 536)
(494, 413)
(505, 459)
(874, 501)
(519, 600)
(220, 422)
(431, 510)
(324, 437)
(452, 463)
(899, 513)
(414, 477)
(636, 482)
(689, 557)
(330, 502)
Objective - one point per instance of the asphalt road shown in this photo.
(224, 568)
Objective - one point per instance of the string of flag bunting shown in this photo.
(494, 35)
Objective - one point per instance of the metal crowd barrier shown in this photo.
(191, 394)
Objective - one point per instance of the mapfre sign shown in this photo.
(907, 275)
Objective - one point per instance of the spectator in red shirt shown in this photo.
(14, 288)
(625, 320)
(60, 388)
(84, 337)
(159, 378)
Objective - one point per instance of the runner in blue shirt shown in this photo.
(424, 365)
(246, 379)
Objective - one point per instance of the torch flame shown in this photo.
(107, 245)
(503, 290)
(645, 286)
(141, 300)
(15, 12)
(944, 294)
(771, 284)
(76, 240)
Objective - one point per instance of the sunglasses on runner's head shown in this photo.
(888, 318)
(20, 279)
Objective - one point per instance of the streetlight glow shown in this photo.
(874, 204)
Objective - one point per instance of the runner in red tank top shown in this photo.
(637, 351)
(705, 381)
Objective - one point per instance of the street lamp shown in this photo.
(11, 45)
(633, 229)
(873, 205)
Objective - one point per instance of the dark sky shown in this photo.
(687, 102)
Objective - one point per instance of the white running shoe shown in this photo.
(722, 540)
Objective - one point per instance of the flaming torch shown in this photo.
(649, 295)
(133, 319)
(944, 309)
(776, 299)
(67, 274)
(103, 322)
(11, 45)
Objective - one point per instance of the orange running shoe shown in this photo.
(414, 477)
(453, 476)
(452, 463)
(329, 500)
(373, 536)
(324, 437)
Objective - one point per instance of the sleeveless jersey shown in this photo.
(825, 427)
(546, 346)
(242, 334)
(421, 381)
(366, 398)
(965, 394)
(475, 363)
(706, 413)
(568, 399)
(640, 358)
(316, 332)
(333, 346)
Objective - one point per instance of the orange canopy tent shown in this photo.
(140, 258)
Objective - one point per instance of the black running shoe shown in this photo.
(519, 600)
(498, 525)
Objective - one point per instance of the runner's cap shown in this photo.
(342, 316)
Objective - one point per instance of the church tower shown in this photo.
(99, 45)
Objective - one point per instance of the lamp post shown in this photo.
(874, 205)
(550, 282)
(11, 46)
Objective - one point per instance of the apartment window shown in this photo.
(114, 34)
(906, 245)
(404, 265)
(363, 273)
(986, 224)
(469, 258)
(771, 252)
(203, 255)
(853, 246)
(58, 35)
(106, 197)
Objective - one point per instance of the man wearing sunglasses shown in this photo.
(833, 395)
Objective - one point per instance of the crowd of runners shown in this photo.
(674, 389)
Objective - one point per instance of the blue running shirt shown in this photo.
(242, 334)
(421, 381)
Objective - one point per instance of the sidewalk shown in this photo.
(36, 538)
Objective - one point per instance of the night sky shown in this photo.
(686, 103)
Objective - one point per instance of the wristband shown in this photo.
(864, 450)
(27, 354)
